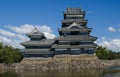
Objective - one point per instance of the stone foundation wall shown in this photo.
(62, 62)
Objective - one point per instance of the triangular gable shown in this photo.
(36, 31)
(75, 25)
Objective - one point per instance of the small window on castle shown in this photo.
(74, 33)
(88, 48)
(74, 27)
(83, 33)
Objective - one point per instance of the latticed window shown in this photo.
(88, 48)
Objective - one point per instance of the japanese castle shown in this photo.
(74, 38)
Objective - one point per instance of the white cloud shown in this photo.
(5, 40)
(22, 29)
(44, 28)
(14, 35)
(111, 29)
(28, 28)
(113, 44)
(49, 35)
(6, 33)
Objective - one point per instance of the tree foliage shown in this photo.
(105, 54)
(9, 54)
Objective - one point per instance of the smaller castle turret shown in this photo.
(38, 46)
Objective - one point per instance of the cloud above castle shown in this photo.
(14, 35)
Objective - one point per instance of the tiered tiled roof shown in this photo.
(77, 38)
(44, 42)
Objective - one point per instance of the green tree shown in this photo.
(9, 54)
(105, 54)
(102, 52)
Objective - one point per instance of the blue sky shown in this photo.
(102, 15)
